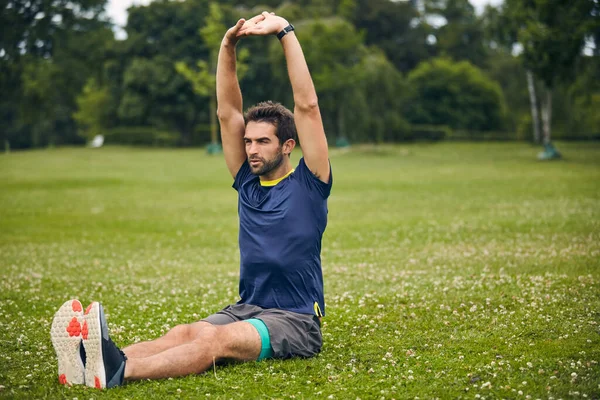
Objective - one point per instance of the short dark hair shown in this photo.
(276, 114)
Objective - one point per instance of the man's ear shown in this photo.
(288, 146)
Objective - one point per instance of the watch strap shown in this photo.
(285, 31)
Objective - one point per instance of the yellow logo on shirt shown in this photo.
(318, 312)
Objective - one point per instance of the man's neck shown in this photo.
(281, 171)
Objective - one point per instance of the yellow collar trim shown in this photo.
(275, 181)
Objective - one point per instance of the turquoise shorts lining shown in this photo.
(266, 351)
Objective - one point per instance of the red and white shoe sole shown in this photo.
(95, 375)
(66, 339)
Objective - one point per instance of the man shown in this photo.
(283, 214)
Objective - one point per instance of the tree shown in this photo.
(462, 36)
(335, 66)
(167, 28)
(396, 28)
(552, 33)
(361, 93)
(49, 85)
(94, 112)
(155, 95)
(500, 32)
(41, 100)
(385, 92)
(144, 81)
(32, 27)
(584, 97)
(47, 51)
(459, 95)
(204, 79)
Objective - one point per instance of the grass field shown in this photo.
(451, 270)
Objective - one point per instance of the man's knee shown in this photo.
(189, 332)
(238, 341)
(181, 333)
(210, 337)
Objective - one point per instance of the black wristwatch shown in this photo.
(285, 31)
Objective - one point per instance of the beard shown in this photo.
(266, 165)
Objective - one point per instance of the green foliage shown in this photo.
(167, 28)
(162, 75)
(384, 90)
(587, 116)
(204, 79)
(335, 64)
(553, 34)
(353, 82)
(48, 50)
(500, 30)
(94, 112)
(524, 127)
(10, 97)
(154, 94)
(213, 30)
(462, 37)
(41, 99)
(347, 9)
(582, 102)
(456, 94)
(508, 71)
(36, 27)
(336, 68)
(136, 100)
(397, 28)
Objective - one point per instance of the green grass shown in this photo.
(451, 270)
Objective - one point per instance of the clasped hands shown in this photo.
(260, 25)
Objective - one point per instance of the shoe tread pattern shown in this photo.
(66, 339)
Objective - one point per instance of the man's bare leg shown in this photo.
(237, 341)
(181, 334)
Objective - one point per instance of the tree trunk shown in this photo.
(547, 115)
(534, 107)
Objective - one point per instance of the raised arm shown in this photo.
(229, 102)
(306, 107)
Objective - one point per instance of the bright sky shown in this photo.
(117, 9)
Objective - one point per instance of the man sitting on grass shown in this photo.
(283, 214)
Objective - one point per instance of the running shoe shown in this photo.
(66, 339)
(105, 362)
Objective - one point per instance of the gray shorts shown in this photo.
(291, 334)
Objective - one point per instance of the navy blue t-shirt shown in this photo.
(281, 228)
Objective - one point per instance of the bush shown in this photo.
(458, 95)
(141, 136)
